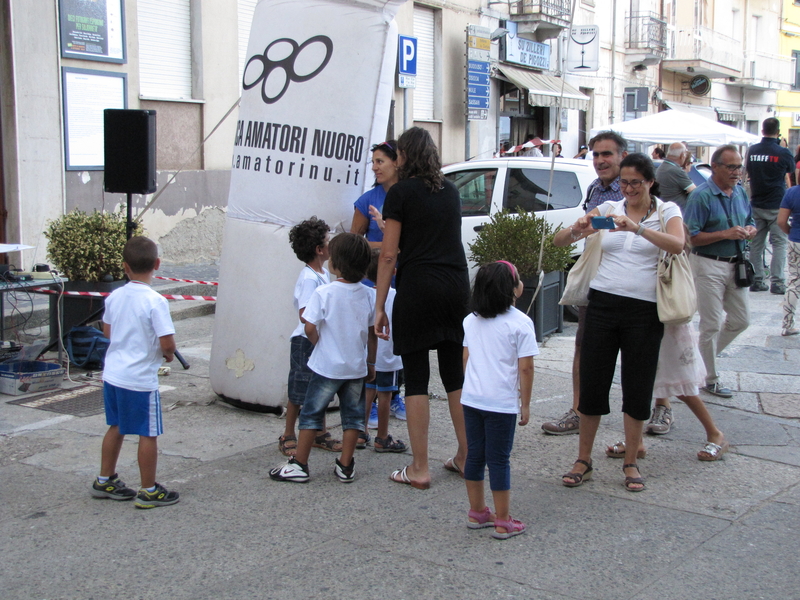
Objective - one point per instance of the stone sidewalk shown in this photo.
(701, 530)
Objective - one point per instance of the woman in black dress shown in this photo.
(422, 235)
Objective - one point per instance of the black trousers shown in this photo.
(614, 325)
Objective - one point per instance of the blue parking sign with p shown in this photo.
(407, 55)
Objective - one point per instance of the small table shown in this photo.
(12, 286)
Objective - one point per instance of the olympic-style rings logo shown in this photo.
(286, 66)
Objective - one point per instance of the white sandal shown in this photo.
(714, 451)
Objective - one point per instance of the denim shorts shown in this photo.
(299, 373)
(385, 381)
(135, 413)
(321, 390)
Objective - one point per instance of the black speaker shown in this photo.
(130, 151)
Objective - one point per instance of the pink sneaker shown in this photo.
(512, 527)
(483, 518)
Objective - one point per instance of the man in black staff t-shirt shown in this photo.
(768, 167)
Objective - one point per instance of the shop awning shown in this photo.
(730, 115)
(545, 90)
(696, 109)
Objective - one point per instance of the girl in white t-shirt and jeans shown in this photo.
(499, 346)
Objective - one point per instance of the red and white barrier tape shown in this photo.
(186, 280)
(104, 294)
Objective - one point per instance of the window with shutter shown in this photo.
(246, 10)
(425, 32)
(165, 49)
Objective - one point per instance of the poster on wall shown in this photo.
(318, 83)
(86, 95)
(93, 29)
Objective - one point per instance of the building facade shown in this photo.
(730, 60)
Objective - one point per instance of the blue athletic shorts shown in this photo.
(385, 381)
(135, 413)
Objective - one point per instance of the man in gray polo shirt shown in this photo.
(672, 179)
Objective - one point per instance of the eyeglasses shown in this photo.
(731, 168)
(633, 184)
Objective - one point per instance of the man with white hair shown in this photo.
(672, 179)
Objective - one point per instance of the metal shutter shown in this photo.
(165, 49)
(246, 10)
(424, 31)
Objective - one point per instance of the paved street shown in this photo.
(725, 530)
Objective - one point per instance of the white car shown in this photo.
(488, 186)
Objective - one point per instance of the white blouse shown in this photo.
(629, 264)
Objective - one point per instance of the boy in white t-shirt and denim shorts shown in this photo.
(309, 240)
(339, 322)
(138, 323)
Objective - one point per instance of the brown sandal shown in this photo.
(326, 442)
(287, 444)
(633, 480)
(578, 478)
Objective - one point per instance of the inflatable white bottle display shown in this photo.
(317, 88)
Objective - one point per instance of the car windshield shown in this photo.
(527, 189)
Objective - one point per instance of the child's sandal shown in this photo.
(326, 442)
(388, 444)
(287, 444)
(512, 527)
(363, 440)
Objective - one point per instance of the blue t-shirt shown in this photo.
(704, 211)
(792, 201)
(767, 165)
(373, 197)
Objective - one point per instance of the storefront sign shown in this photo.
(700, 85)
(583, 49)
(523, 51)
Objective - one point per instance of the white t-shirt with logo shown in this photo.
(491, 381)
(343, 313)
(138, 317)
(307, 282)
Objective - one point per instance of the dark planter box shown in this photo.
(75, 310)
(546, 312)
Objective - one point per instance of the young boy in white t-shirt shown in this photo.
(138, 323)
(339, 322)
(309, 240)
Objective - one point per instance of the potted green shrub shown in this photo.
(86, 248)
(517, 238)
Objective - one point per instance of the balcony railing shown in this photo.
(768, 67)
(707, 45)
(555, 9)
(646, 32)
